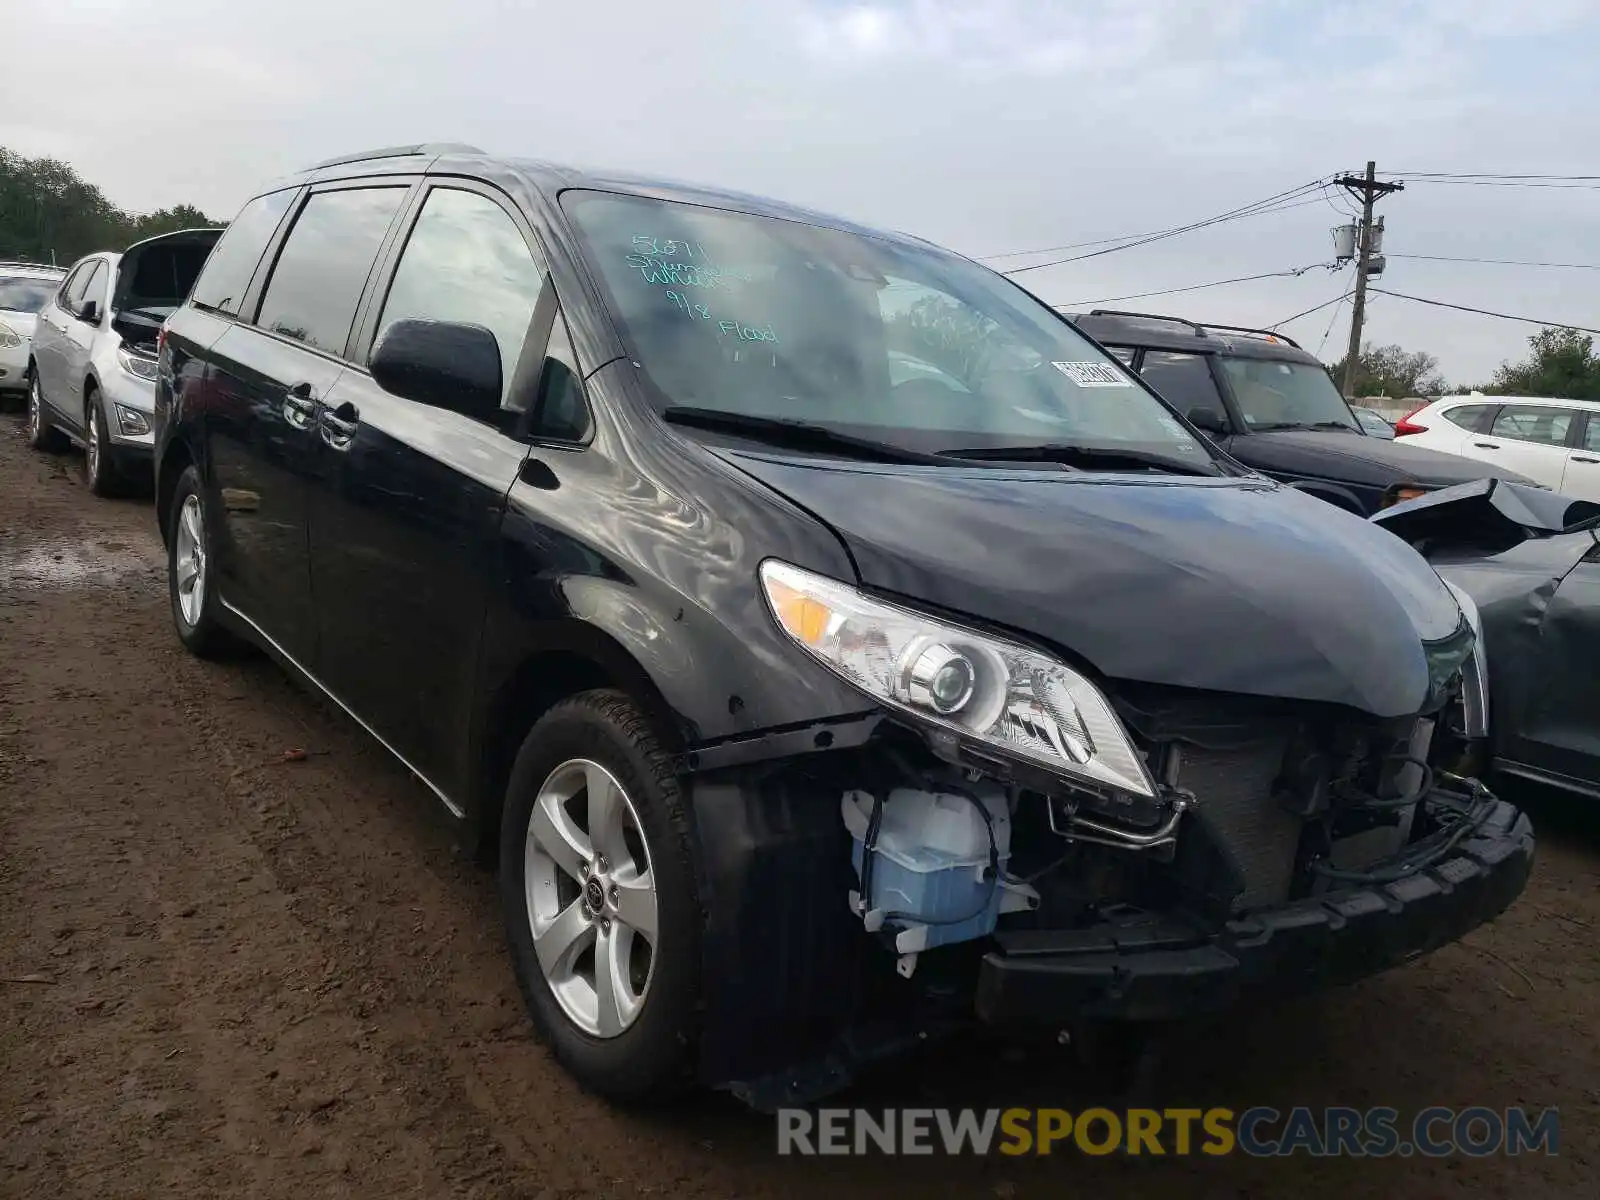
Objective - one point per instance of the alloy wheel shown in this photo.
(189, 560)
(591, 897)
(92, 450)
(35, 408)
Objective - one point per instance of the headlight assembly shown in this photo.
(991, 690)
(9, 338)
(136, 364)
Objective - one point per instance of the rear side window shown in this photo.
(1473, 417)
(1591, 433)
(1533, 423)
(323, 266)
(233, 259)
(467, 261)
(1184, 380)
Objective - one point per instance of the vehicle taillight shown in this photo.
(161, 341)
(1406, 425)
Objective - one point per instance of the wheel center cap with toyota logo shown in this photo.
(594, 895)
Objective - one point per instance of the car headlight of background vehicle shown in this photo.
(10, 339)
(136, 364)
(1475, 671)
(993, 691)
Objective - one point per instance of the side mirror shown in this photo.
(443, 364)
(1208, 421)
(89, 314)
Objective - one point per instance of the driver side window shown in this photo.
(70, 297)
(94, 288)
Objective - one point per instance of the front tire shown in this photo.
(42, 435)
(191, 574)
(598, 890)
(99, 467)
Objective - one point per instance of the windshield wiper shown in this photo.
(1072, 455)
(1274, 426)
(803, 435)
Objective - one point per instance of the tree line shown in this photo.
(48, 213)
(1560, 363)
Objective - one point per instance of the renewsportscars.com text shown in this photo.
(1318, 1133)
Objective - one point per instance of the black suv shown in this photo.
(831, 645)
(1272, 406)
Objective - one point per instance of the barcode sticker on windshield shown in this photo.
(1092, 374)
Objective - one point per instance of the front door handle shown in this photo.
(1486, 445)
(339, 425)
(299, 406)
(1584, 458)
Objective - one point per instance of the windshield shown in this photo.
(25, 294)
(776, 318)
(1285, 395)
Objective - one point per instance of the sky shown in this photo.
(989, 126)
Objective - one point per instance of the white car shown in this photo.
(25, 288)
(92, 369)
(1554, 442)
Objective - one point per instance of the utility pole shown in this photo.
(1368, 189)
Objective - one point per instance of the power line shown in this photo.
(1314, 308)
(1254, 211)
(1505, 262)
(1343, 210)
(1126, 237)
(1194, 287)
(1487, 312)
(1283, 200)
(1337, 305)
(1555, 185)
(1484, 175)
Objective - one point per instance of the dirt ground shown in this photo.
(225, 974)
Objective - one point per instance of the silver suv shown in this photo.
(92, 369)
(25, 288)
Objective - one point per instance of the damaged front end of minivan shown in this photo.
(1010, 839)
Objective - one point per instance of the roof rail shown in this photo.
(418, 148)
(1266, 333)
(1199, 330)
(24, 262)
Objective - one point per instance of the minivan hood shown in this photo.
(1228, 585)
(1379, 462)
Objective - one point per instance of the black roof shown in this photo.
(549, 178)
(1155, 331)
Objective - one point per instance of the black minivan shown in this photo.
(832, 646)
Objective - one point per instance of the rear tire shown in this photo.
(99, 467)
(191, 573)
(42, 435)
(645, 1052)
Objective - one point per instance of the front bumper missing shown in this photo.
(1145, 967)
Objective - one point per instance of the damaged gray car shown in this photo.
(1530, 561)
